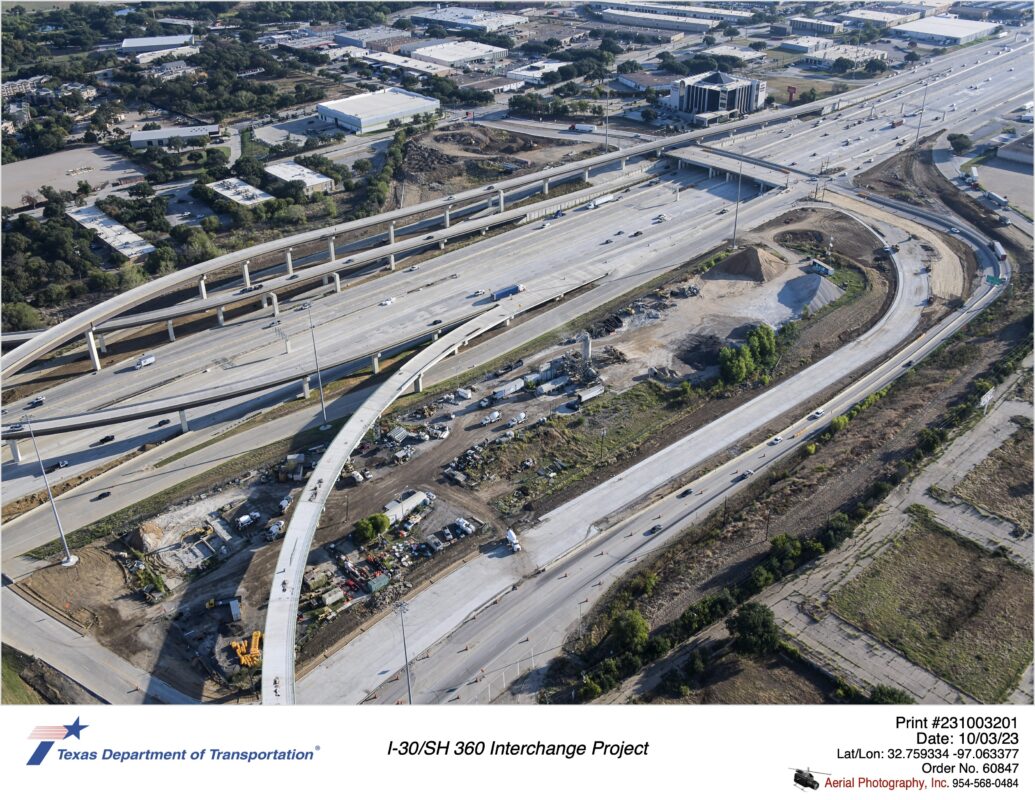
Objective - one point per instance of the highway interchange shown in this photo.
(548, 259)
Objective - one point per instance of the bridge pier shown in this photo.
(441, 244)
(16, 452)
(483, 231)
(585, 175)
(169, 329)
(91, 345)
(305, 387)
(276, 306)
(391, 261)
(330, 248)
(246, 276)
(184, 426)
(325, 280)
(621, 164)
(391, 232)
(101, 344)
(375, 363)
(434, 336)
(446, 217)
(500, 203)
(337, 282)
(546, 187)
(507, 321)
(418, 384)
(290, 263)
(219, 316)
(201, 288)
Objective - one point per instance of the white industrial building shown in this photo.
(162, 136)
(823, 27)
(743, 53)
(112, 232)
(149, 44)
(533, 73)
(242, 193)
(878, 19)
(456, 54)
(945, 30)
(364, 36)
(413, 66)
(700, 12)
(290, 171)
(667, 21)
(468, 19)
(805, 44)
(374, 110)
(825, 58)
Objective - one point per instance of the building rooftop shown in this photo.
(743, 53)
(385, 101)
(111, 232)
(458, 15)
(240, 192)
(655, 79)
(638, 17)
(400, 62)
(946, 26)
(158, 41)
(457, 51)
(189, 132)
(290, 171)
(811, 42)
(537, 68)
(869, 15)
(375, 33)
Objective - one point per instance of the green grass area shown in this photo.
(949, 606)
(252, 147)
(15, 690)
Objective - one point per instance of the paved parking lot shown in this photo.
(63, 170)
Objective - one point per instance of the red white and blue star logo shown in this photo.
(48, 734)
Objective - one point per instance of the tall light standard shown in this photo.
(920, 121)
(736, 211)
(401, 608)
(319, 378)
(69, 560)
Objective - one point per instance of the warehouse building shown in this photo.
(925, 8)
(290, 171)
(496, 85)
(244, 194)
(878, 19)
(113, 233)
(716, 96)
(642, 81)
(373, 111)
(468, 19)
(1019, 151)
(457, 54)
(533, 73)
(946, 31)
(743, 53)
(408, 48)
(824, 59)
(997, 10)
(162, 136)
(637, 19)
(367, 36)
(411, 66)
(805, 44)
(698, 12)
(820, 27)
(150, 44)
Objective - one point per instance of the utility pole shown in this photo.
(607, 117)
(736, 211)
(401, 608)
(69, 559)
(920, 121)
(319, 377)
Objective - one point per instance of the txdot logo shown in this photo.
(47, 735)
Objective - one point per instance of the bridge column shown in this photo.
(169, 329)
(290, 263)
(546, 187)
(391, 232)
(441, 244)
(434, 336)
(325, 280)
(337, 282)
(658, 152)
(184, 427)
(276, 306)
(91, 345)
(622, 164)
(507, 321)
(16, 453)
(391, 262)
(101, 345)
(375, 363)
(500, 199)
(330, 248)
(246, 275)
(446, 218)
(219, 316)
(305, 387)
(585, 175)
(484, 231)
(418, 384)
(201, 288)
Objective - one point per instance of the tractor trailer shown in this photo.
(582, 128)
(507, 291)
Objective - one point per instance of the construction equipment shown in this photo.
(248, 655)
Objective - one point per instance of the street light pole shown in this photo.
(920, 121)
(69, 560)
(401, 608)
(736, 211)
(316, 358)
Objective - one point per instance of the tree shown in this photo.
(649, 115)
(842, 65)
(708, 40)
(875, 66)
(759, 46)
(754, 630)
(142, 189)
(889, 695)
(912, 56)
(730, 31)
(363, 165)
(21, 317)
(838, 424)
(629, 66)
(630, 630)
(960, 143)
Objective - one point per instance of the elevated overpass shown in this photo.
(731, 165)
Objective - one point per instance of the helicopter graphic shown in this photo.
(804, 778)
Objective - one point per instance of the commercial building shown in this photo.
(743, 53)
(365, 37)
(805, 44)
(177, 52)
(699, 12)
(533, 73)
(1019, 151)
(945, 30)
(468, 19)
(654, 35)
(878, 19)
(171, 69)
(714, 96)
(411, 66)
(456, 54)
(373, 111)
(821, 27)
(162, 136)
(150, 44)
(113, 233)
(824, 59)
(998, 10)
(565, 34)
(925, 8)
(497, 85)
(408, 48)
(23, 86)
(639, 19)
(642, 81)
(290, 171)
(244, 194)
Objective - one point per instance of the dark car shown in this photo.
(635, 234)
(162, 422)
(102, 495)
(436, 322)
(106, 439)
(686, 492)
(654, 530)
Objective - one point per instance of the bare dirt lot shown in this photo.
(459, 157)
(63, 170)
(1002, 483)
(949, 605)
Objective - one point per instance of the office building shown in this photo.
(713, 96)
(373, 111)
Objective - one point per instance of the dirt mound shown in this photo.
(809, 291)
(752, 263)
(699, 351)
(146, 538)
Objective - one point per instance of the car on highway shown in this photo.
(272, 324)
(161, 423)
(608, 241)
(429, 237)
(387, 301)
(101, 496)
(954, 230)
(305, 306)
(436, 322)
(16, 427)
(654, 530)
(414, 268)
(744, 475)
(56, 465)
(634, 234)
(819, 412)
(544, 225)
(106, 439)
(689, 490)
(776, 440)
(37, 401)
(477, 293)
